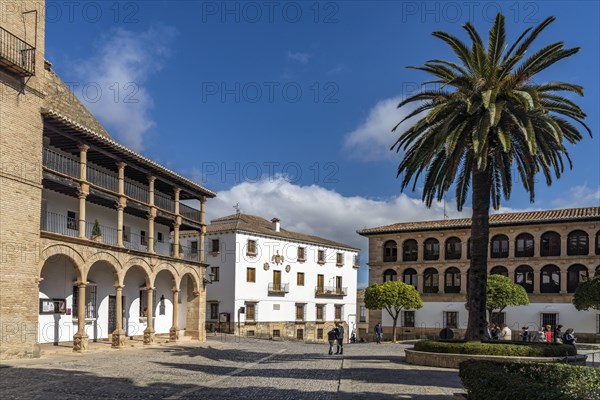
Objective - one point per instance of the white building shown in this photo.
(270, 282)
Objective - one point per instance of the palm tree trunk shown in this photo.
(480, 233)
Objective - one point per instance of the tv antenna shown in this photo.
(237, 207)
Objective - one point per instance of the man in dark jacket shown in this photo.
(340, 339)
(378, 332)
(332, 338)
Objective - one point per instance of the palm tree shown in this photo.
(488, 116)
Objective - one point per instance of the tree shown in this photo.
(503, 292)
(587, 294)
(394, 297)
(488, 116)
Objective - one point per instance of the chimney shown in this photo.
(276, 224)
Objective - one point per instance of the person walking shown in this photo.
(378, 332)
(332, 336)
(340, 339)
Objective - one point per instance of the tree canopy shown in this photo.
(587, 294)
(502, 292)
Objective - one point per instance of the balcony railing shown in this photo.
(16, 54)
(188, 253)
(134, 241)
(61, 224)
(102, 179)
(189, 212)
(136, 191)
(60, 163)
(163, 201)
(279, 288)
(108, 235)
(162, 248)
(326, 291)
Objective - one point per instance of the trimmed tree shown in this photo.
(587, 294)
(490, 116)
(394, 297)
(503, 292)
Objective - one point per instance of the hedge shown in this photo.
(491, 380)
(497, 348)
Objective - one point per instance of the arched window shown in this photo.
(550, 279)
(524, 277)
(432, 249)
(499, 270)
(390, 251)
(469, 248)
(577, 244)
(410, 250)
(430, 281)
(550, 245)
(453, 248)
(598, 243)
(500, 246)
(575, 275)
(452, 280)
(524, 245)
(410, 277)
(390, 275)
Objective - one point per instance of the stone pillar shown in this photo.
(563, 279)
(121, 167)
(80, 339)
(464, 277)
(177, 193)
(420, 283)
(84, 187)
(83, 162)
(176, 237)
(82, 196)
(174, 331)
(537, 279)
(203, 229)
(152, 215)
(120, 208)
(118, 336)
(149, 331)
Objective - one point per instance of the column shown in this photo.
(83, 161)
(121, 167)
(174, 331)
(118, 336)
(152, 215)
(149, 331)
(80, 339)
(176, 237)
(563, 278)
(420, 283)
(177, 193)
(82, 196)
(464, 277)
(537, 279)
(120, 208)
(203, 229)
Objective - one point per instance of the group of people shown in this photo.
(336, 337)
(545, 335)
(498, 332)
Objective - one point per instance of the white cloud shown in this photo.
(112, 81)
(579, 196)
(372, 139)
(302, 58)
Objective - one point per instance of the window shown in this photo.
(215, 273)
(276, 333)
(550, 319)
(453, 249)
(339, 259)
(300, 334)
(126, 233)
(410, 277)
(321, 256)
(301, 253)
(214, 310)
(250, 312)
(598, 243)
(452, 280)
(144, 302)
(390, 275)
(320, 312)
(251, 248)
(577, 244)
(90, 301)
(250, 274)
(499, 270)
(408, 319)
(390, 251)
(499, 246)
(524, 245)
(363, 314)
(451, 319)
(432, 249)
(550, 279)
(143, 239)
(338, 312)
(300, 279)
(159, 237)
(194, 247)
(524, 277)
(72, 222)
(498, 318)
(410, 250)
(319, 333)
(550, 245)
(299, 312)
(250, 333)
(214, 246)
(575, 275)
(430, 281)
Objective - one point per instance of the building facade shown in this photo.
(547, 252)
(85, 223)
(269, 282)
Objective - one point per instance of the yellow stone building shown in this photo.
(89, 230)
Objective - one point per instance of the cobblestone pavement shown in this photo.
(226, 368)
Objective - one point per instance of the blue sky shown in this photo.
(286, 107)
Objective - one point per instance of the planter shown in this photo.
(97, 238)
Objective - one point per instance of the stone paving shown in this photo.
(226, 367)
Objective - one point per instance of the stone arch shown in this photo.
(110, 260)
(142, 264)
(194, 276)
(66, 251)
(166, 266)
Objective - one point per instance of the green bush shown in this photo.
(491, 380)
(497, 348)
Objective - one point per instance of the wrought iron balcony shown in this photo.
(279, 288)
(16, 55)
(330, 291)
(189, 212)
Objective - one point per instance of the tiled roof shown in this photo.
(519, 218)
(254, 224)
